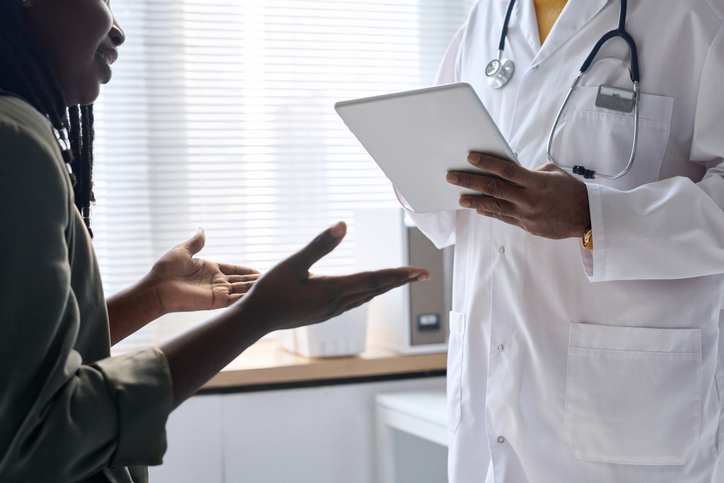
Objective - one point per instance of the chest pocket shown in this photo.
(600, 139)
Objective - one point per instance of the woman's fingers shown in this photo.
(339, 291)
(229, 269)
(355, 299)
(243, 278)
(378, 282)
(341, 294)
(351, 302)
(233, 297)
(317, 248)
(241, 287)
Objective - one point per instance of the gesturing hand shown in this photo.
(184, 283)
(289, 296)
(548, 202)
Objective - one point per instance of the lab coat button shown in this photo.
(501, 347)
(501, 439)
(501, 250)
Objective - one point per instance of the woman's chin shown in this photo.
(85, 91)
(89, 95)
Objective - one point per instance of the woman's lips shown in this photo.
(107, 57)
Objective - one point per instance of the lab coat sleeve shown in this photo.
(440, 227)
(61, 419)
(673, 228)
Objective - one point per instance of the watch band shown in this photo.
(587, 240)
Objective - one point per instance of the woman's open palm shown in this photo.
(184, 283)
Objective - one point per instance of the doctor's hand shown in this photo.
(289, 296)
(547, 202)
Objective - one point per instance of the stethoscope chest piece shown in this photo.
(499, 71)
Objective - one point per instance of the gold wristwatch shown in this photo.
(587, 240)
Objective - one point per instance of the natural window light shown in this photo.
(220, 114)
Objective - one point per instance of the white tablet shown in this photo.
(418, 136)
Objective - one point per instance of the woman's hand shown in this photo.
(289, 296)
(182, 283)
(178, 282)
(285, 297)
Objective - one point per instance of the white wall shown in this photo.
(315, 435)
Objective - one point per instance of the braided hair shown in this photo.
(25, 72)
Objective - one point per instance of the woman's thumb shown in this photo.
(320, 246)
(196, 242)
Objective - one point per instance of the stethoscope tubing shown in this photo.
(498, 79)
(581, 170)
(618, 32)
(504, 33)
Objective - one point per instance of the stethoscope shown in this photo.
(499, 71)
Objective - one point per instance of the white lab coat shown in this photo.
(567, 365)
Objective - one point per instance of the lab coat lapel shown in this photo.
(575, 15)
(524, 11)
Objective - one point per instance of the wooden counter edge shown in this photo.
(245, 371)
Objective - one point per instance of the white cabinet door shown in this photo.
(194, 449)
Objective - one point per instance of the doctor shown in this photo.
(602, 363)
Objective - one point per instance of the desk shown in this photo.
(420, 413)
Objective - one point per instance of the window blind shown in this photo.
(220, 114)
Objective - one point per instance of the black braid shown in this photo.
(87, 162)
(75, 141)
(26, 73)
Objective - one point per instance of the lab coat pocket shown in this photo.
(455, 353)
(633, 395)
(601, 139)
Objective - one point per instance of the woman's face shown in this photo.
(79, 38)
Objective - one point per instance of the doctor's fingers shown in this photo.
(505, 219)
(499, 206)
(487, 185)
(494, 208)
(507, 170)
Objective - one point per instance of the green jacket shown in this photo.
(68, 411)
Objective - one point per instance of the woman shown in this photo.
(69, 411)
